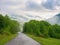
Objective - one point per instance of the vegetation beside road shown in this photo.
(45, 41)
(42, 29)
(43, 32)
(4, 38)
(8, 28)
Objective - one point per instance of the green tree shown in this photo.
(8, 26)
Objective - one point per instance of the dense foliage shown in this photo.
(42, 28)
(8, 26)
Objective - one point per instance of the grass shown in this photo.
(45, 41)
(4, 38)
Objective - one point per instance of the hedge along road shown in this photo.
(22, 39)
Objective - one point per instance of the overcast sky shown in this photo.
(43, 8)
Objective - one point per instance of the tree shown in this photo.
(42, 28)
(8, 26)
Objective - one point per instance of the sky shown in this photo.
(42, 8)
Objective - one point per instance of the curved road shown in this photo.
(22, 39)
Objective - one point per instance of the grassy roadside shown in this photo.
(4, 38)
(45, 41)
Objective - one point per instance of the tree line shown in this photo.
(42, 29)
(8, 26)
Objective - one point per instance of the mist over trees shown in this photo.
(8, 26)
(42, 29)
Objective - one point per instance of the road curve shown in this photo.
(22, 39)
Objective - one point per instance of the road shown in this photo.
(22, 39)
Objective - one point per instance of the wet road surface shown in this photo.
(22, 39)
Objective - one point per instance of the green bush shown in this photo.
(8, 26)
(42, 28)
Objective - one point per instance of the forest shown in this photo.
(8, 26)
(9, 29)
(42, 29)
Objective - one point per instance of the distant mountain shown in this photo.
(55, 19)
(24, 18)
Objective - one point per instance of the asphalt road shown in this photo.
(22, 39)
